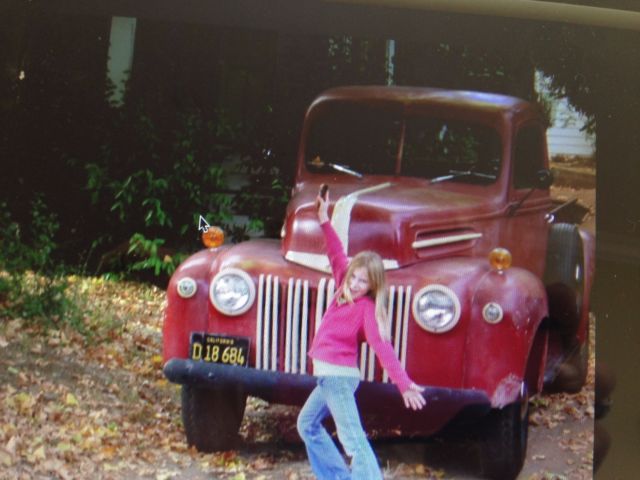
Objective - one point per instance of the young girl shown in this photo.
(358, 306)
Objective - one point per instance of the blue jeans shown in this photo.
(335, 396)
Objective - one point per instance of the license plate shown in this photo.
(219, 349)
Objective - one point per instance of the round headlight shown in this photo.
(186, 287)
(232, 291)
(436, 308)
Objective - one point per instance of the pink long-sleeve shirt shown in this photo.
(345, 325)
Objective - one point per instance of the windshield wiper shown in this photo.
(345, 169)
(462, 173)
(318, 163)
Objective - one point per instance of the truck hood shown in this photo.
(403, 223)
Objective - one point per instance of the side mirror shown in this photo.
(544, 178)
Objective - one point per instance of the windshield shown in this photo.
(365, 140)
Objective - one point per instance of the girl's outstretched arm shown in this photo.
(384, 351)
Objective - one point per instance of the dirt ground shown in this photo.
(575, 178)
(74, 411)
(73, 407)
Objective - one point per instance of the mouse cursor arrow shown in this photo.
(203, 226)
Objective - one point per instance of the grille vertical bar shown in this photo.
(287, 344)
(371, 364)
(363, 361)
(275, 323)
(296, 319)
(397, 343)
(304, 331)
(320, 303)
(390, 304)
(267, 324)
(259, 323)
(405, 328)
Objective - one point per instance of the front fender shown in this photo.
(496, 354)
(182, 316)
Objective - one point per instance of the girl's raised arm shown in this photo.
(337, 257)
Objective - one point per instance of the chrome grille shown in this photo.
(290, 313)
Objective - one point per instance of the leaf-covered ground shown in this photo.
(75, 407)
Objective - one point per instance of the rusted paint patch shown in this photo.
(507, 391)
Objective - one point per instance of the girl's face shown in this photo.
(359, 283)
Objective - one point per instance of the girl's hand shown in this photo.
(413, 398)
(323, 207)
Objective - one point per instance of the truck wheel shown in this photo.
(564, 281)
(503, 441)
(212, 417)
(572, 373)
(564, 276)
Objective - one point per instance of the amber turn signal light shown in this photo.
(213, 237)
(500, 258)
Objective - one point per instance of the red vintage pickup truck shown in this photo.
(489, 298)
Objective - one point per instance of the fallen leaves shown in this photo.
(70, 399)
(67, 400)
(548, 476)
(551, 412)
(416, 470)
(99, 406)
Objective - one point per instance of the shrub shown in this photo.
(33, 285)
(155, 176)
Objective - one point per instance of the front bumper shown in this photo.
(380, 400)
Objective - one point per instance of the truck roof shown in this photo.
(493, 102)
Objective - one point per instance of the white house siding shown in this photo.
(565, 136)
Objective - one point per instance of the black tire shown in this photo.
(572, 373)
(564, 277)
(564, 281)
(503, 440)
(212, 417)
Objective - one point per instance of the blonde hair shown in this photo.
(372, 263)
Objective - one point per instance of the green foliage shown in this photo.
(354, 60)
(467, 66)
(33, 285)
(30, 249)
(547, 103)
(155, 178)
(152, 258)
